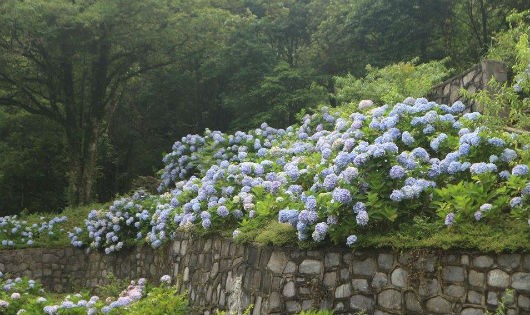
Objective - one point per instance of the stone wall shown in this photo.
(69, 269)
(221, 274)
(473, 79)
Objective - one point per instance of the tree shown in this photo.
(71, 60)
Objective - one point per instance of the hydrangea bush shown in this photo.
(17, 232)
(333, 177)
(26, 296)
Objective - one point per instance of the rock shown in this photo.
(476, 278)
(385, 261)
(332, 260)
(290, 267)
(509, 262)
(472, 311)
(493, 299)
(526, 264)
(364, 104)
(289, 289)
(498, 278)
(455, 291)
(390, 299)
(412, 303)
(361, 303)
(257, 306)
(474, 297)
(380, 280)
(366, 267)
(482, 261)
(274, 301)
(429, 287)
(521, 281)
(293, 306)
(277, 262)
(453, 274)
(360, 285)
(330, 279)
(524, 302)
(343, 291)
(438, 305)
(311, 267)
(399, 277)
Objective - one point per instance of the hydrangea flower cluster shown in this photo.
(333, 169)
(16, 232)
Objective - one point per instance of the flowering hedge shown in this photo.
(333, 177)
(17, 232)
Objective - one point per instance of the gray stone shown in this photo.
(311, 267)
(399, 277)
(274, 301)
(360, 285)
(472, 311)
(366, 267)
(344, 274)
(277, 262)
(378, 312)
(412, 303)
(523, 302)
(380, 280)
(482, 261)
(390, 299)
(290, 267)
(476, 278)
(289, 289)
(455, 291)
(521, 281)
(493, 298)
(453, 274)
(498, 278)
(464, 260)
(293, 306)
(306, 305)
(429, 287)
(257, 306)
(343, 291)
(526, 264)
(509, 262)
(361, 303)
(385, 261)
(339, 307)
(474, 297)
(330, 279)
(438, 305)
(332, 260)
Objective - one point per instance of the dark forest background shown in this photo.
(93, 92)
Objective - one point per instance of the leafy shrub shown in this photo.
(508, 104)
(392, 83)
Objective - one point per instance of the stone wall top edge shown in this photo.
(476, 67)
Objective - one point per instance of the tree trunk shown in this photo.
(82, 165)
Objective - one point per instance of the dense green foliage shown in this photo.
(119, 81)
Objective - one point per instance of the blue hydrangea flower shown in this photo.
(520, 170)
(397, 172)
(516, 202)
(362, 218)
(341, 195)
(449, 219)
(321, 229)
(350, 240)
(407, 138)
